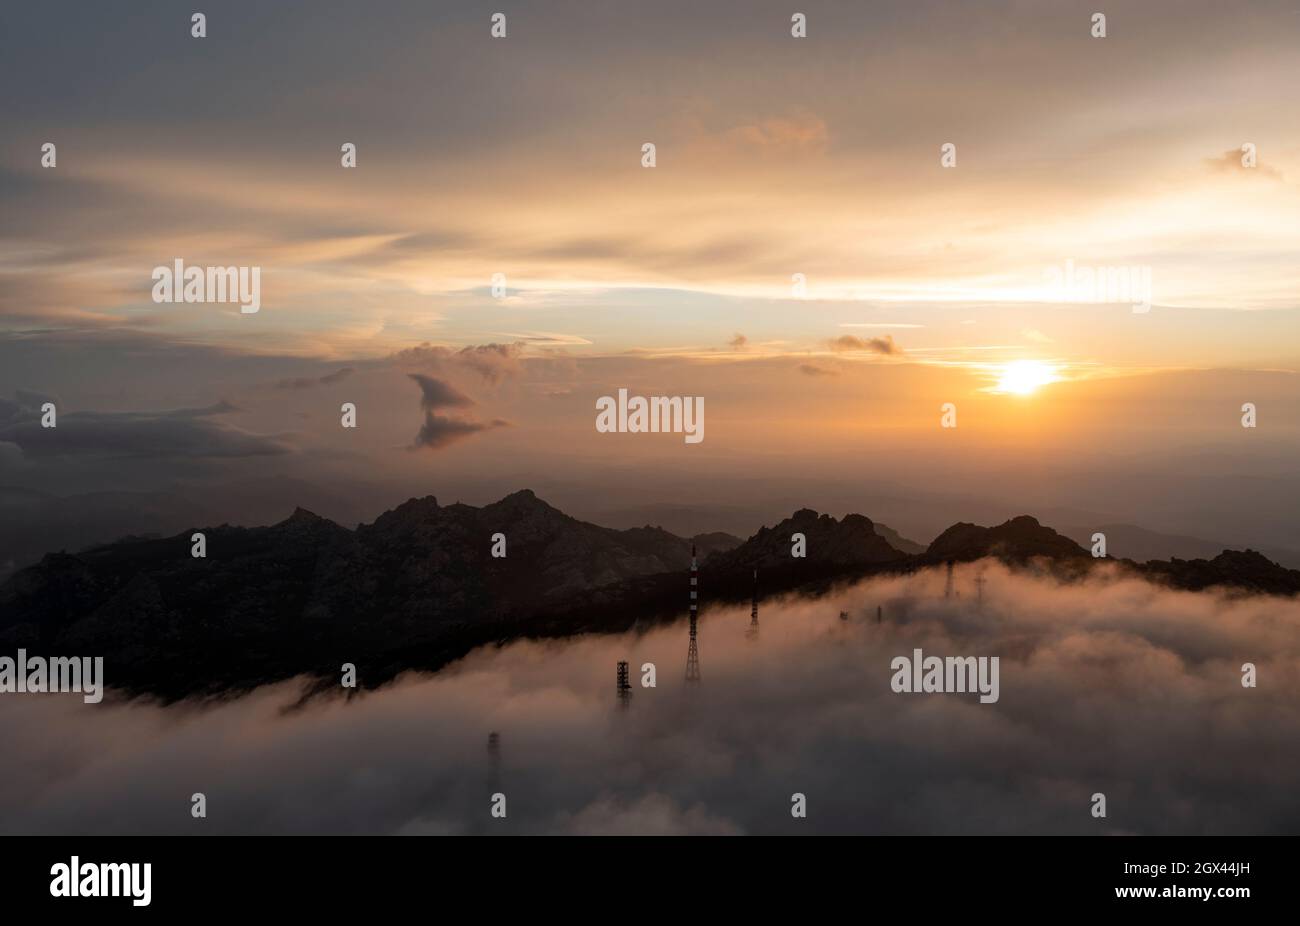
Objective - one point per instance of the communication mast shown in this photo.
(693, 651)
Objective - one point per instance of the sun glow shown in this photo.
(1024, 377)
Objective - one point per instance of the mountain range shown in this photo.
(420, 586)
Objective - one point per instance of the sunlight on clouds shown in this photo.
(1024, 377)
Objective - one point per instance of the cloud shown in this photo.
(739, 342)
(176, 433)
(798, 135)
(307, 382)
(217, 408)
(882, 345)
(651, 815)
(809, 369)
(422, 240)
(434, 393)
(553, 338)
(438, 430)
(1231, 162)
(493, 362)
(29, 399)
(1110, 684)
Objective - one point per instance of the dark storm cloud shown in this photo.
(177, 433)
(1111, 685)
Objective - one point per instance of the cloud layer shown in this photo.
(1114, 686)
(176, 433)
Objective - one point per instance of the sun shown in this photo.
(1023, 377)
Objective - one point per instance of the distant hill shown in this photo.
(1139, 544)
(419, 587)
(897, 540)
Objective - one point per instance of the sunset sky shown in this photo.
(775, 156)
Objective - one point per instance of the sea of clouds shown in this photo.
(1113, 685)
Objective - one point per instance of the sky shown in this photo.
(774, 157)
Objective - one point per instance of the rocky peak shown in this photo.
(1016, 540)
(850, 541)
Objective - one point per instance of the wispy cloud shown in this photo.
(811, 369)
(882, 345)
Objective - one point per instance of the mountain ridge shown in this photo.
(419, 586)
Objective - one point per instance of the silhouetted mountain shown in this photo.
(852, 541)
(303, 594)
(714, 542)
(1232, 568)
(420, 586)
(1014, 541)
(420, 549)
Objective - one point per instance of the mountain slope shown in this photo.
(268, 602)
(419, 587)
